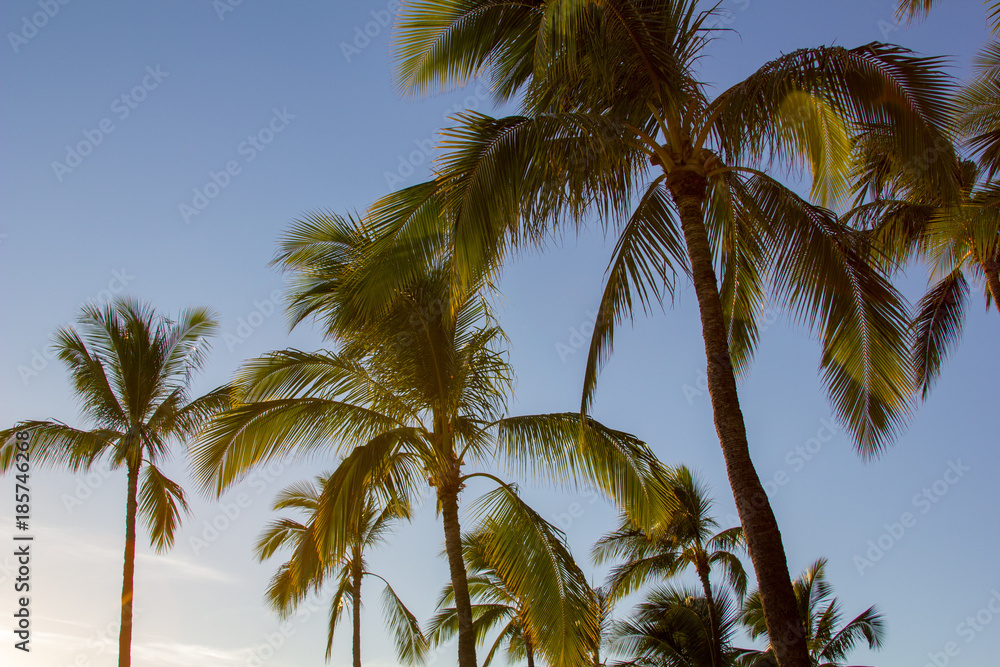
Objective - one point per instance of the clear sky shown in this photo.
(142, 103)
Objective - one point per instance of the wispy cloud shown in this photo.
(169, 654)
(153, 564)
(186, 568)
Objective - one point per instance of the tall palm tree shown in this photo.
(310, 566)
(684, 539)
(416, 392)
(131, 369)
(499, 601)
(829, 640)
(610, 89)
(672, 627)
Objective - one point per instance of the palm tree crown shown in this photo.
(828, 639)
(685, 538)
(310, 566)
(613, 113)
(131, 370)
(415, 392)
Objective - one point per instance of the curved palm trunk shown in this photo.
(448, 496)
(713, 615)
(125, 632)
(356, 575)
(767, 553)
(529, 649)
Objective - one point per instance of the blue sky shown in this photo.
(207, 131)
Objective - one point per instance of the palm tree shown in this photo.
(610, 88)
(957, 230)
(131, 369)
(310, 567)
(960, 240)
(499, 601)
(829, 642)
(684, 539)
(672, 627)
(416, 392)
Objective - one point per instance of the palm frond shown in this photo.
(161, 502)
(938, 325)
(54, 444)
(530, 557)
(643, 267)
(567, 450)
(411, 644)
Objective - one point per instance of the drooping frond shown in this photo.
(822, 273)
(743, 260)
(445, 43)
(792, 106)
(646, 259)
(938, 325)
(529, 556)
(979, 109)
(161, 502)
(569, 450)
(411, 645)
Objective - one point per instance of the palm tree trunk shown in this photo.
(713, 615)
(530, 651)
(448, 496)
(992, 270)
(767, 553)
(356, 575)
(128, 579)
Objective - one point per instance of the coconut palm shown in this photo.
(960, 240)
(501, 602)
(828, 638)
(416, 393)
(955, 230)
(310, 567)
(672, 628)
(977, 106)
(684, 539)
(132, 370)
(609, 89)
